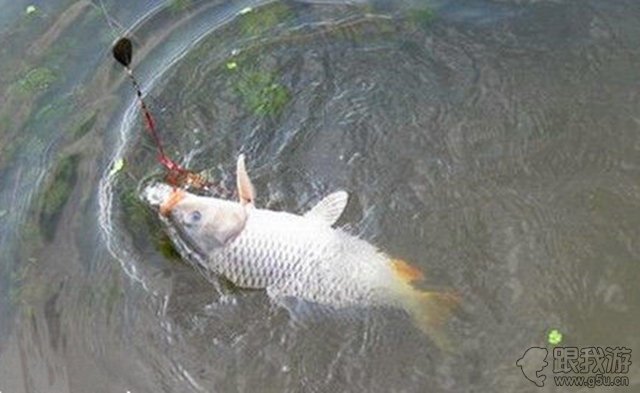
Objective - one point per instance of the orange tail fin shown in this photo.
(430, 311)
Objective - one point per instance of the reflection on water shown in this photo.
(494, 144)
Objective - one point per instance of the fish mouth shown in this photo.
(156, 194)
(163, 197)
(174, 198)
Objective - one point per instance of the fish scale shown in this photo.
(285, 260)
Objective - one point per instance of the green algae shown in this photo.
(37, 80)
(422, 18)
(56, 194)
(261, 93)
(257, 21)
(84, 126)
(143, 224)
(180, 5)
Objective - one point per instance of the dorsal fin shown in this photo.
(245, 188)
(330, 208)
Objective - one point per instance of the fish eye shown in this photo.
(195, 216)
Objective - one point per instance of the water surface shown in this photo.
(494, 144)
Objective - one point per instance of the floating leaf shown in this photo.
(117, 167)
(554, 337)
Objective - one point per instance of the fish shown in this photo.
(297, 256)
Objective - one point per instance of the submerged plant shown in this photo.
(21, 292)
(38, 79)
(422, 18)
(142, 222)
(57, 193)
(261, 93)
(6, 122)
(257, 21)
(180, 5)
(165, 246)
(85, 126)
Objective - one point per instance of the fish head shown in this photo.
(204, 223)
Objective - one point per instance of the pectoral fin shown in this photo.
(330, 208)
(246, 193)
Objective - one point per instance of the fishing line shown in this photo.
(123, 53)
(177, 175)
(110, 21)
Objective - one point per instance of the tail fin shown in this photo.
(430, 311)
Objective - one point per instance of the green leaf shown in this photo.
(554, 337)
(117, 167)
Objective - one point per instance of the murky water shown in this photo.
(495, 144)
